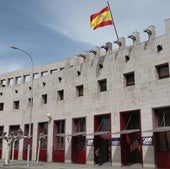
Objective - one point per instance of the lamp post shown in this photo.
(31, 106)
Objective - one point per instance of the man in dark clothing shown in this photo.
(100, 157)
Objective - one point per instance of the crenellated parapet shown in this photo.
(121, 52)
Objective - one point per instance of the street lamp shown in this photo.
(31, 106)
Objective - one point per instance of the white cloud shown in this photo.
(72, 19)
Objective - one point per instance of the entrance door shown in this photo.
(102, 150)
(26, 140)
(78, 154)
(1, 140)
(78, 149)
(162, 137)
(59, 141)
(102, 139)
(130, 138)
(14, 128)
(42, 141)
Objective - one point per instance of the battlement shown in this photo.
(122, 53)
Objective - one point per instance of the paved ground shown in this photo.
(50, 165)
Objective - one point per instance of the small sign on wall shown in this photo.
(89, 142)
(116, 141)
(147, 140)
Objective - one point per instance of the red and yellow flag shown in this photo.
(100, 19)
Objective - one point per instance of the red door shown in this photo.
(26, 141)
(130, 139)
(78, 153)
(1, 140)
(42, 141)
(78, 150)
(16, 144)
(162, 152)
(59, 141)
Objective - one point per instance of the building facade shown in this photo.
(117, 100)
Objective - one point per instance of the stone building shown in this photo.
(117, 100)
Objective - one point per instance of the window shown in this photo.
(162, 116)
(1, 106)
(129, 78)
(44, 98)
(18, 80)
(3, 83)
(10, 82)
(1, 133)
(105, 124)
(53, 71)
(62, 68)
(16, 104)
(60, 130)
(164, 141)
(36, 75)
(102, 85)
(60, 143)
(79, 90)
(60, 95)
(163, 71)
(44, 73)
(79, 125)
(27, 78)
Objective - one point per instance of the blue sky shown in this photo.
(53, 30)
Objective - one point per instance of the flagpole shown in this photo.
(113, 21)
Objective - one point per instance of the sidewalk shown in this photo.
(52, 165)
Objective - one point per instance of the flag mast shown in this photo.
(113, 21)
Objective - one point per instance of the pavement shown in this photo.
(51, 165)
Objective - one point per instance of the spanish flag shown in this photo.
(100, 19)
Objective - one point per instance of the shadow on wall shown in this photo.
(90, 155)
(149, 156)
(116, 157)
(68, 153)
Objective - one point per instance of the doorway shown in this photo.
(1, 140)
(78, 153)
(26, 140)
(130, 138)
(59, 141)
(14, 154)
(102, 139)
(42, 141)
(162, 137)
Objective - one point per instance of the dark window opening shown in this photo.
(132, 121)
(1, 106)
(162, 119)
(79, 90)
(1, 133)
(79, 143)
(163, 71)
(79, 125)
(163, 116)
(44, 98)
(60, 130)
(102, 85)
(16, 104)
(164, 141)
(130, 78)
(104, 124)
(60, 143)
(60, 95)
